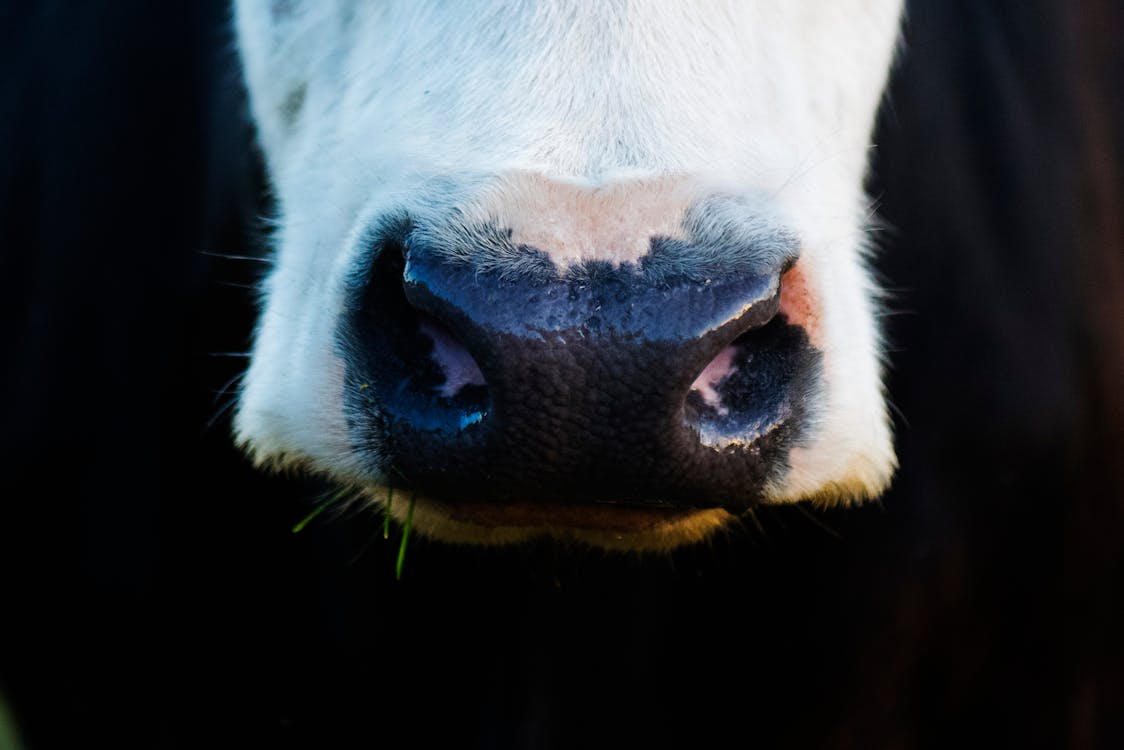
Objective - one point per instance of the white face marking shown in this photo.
(585, 128)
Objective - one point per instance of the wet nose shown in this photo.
(601, 384)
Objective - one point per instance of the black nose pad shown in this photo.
(596, 385)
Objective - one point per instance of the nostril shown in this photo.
(456, 364)
(754, 386)
(416, 369)
(708, 382)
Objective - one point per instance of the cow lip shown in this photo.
(608, 527)
(591, 516)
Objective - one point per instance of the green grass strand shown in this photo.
(405, 538)
(386, 517)
(335, 498)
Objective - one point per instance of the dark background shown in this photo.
(152, 593)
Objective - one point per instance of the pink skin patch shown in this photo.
(706, 384)
(458, 365)
(612, 222)
(799, 303)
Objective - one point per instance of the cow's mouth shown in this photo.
(604, 525)
(589, 516)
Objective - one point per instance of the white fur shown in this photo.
(369, 107)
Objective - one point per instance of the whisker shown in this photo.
(893, 313)
(756, 521)
(818, 522)
(225, 388)
(363, 550)
(899, 412)
(222, 410)
(224, 256)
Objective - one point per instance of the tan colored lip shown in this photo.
(610, 527)
(591, 516)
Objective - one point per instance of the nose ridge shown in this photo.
(598, 300)
(588, 375)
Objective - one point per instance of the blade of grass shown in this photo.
(335, 498)
(386, 517)
(405, 538)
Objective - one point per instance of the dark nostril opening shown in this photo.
(418, 370)
(457, 366)
(754, 386)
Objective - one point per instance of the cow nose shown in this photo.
(601, 384)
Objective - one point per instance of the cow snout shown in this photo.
(600, 383)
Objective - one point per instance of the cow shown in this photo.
(159, 589)
(589, 271)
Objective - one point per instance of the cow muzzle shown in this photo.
(594, 384)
